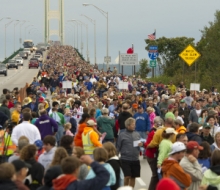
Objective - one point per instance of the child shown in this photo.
(67, 128)
(100, 155)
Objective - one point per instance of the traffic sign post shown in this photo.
(107, 59)
(153, 63)
(128, 59)
(189, 55)
(153, 52)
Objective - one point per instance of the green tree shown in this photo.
(143, 69)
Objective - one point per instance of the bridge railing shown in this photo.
(12, 55)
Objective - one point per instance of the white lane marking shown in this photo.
(141, 182)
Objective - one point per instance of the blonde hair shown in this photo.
(67, 126)
(25, 101)
(150, 109)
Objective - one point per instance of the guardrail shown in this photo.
(12, 56)
(80, 55)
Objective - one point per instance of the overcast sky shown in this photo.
(130, 21)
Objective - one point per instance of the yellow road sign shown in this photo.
(189, 55)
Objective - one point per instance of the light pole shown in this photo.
(15, 24)
(93, 22)
(6, 25)
(74, 36)
(81, 33)
(105, 14)
(77, 30)
(26, 29)
(86, 25)
(24, 21)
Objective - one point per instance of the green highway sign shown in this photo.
(153, 63)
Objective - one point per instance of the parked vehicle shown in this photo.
(12, 63)
(19, 61)
(33, 63)
(3, 69)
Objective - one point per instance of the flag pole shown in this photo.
(119, 62)
(133, 52)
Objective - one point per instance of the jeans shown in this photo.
(52, 89)
(154, 178)
(59, 134)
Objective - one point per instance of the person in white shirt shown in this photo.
(93, 79)
(25, 129)
(49, 146)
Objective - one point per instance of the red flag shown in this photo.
(130, 51)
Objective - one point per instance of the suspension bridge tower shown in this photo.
(54, 14)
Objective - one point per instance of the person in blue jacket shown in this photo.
(88, 84)
(142, 122)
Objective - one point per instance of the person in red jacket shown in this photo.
(151, 153)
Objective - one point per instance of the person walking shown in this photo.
(46, 124)
(4, 108)
(106, 125)
(25, 129)
(190, 164)
(128, 145)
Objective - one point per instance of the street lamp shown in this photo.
(76, 28)
(74, 44)
(26, 29)
(24, 21)
(105, 14)
(5, 18)
(6, 25)
(15, 24)
(86, 25)
(78, 22)
(93, 22)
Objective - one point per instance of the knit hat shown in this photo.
(167, 183)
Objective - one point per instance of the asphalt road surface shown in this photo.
(18, 77)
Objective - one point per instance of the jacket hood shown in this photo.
(167, 164)
(87, 129)
(63, 181)
(190, 135)
(104, 119)
(211, 176)
(52, 151)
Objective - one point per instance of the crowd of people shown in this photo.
(92, 135)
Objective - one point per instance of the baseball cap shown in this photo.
(91, 99)
(167, 183)
(41, 99)
(135, 106)
(206, 125)
(170, 106)
(19, 164)
(170, 131)
(193, 145)
(140, 106)
(39, 144)
(201, 100)
(166, 97)
(177, 147)
(91, 123)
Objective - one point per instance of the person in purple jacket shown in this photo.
(46, 124)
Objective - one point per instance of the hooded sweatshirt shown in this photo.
(194, 137)
(212, 176)
(46, 158)
(62, 182)
(106, 124)
(172, 169)
(78, 136)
